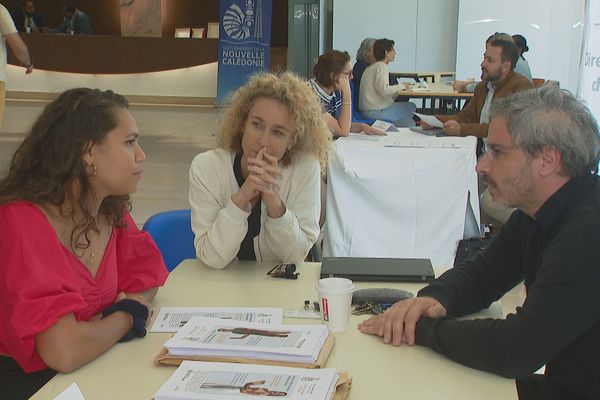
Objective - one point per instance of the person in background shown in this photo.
(522, 66)
(331, 82)
(543, 150)
(257, 196)
(9, 35)
(498, 80)
(364, 58)
(75, 21)
(28, 20)
(377, 97)
(77, 274)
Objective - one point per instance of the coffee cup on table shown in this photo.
(335, 301)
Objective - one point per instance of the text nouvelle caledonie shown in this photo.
(590, 60)
(246, 58)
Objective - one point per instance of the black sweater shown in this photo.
(557, 254)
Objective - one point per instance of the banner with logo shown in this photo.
(244, 43)
(589, 79)
(589, 76)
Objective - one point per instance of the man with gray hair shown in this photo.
(542, 155)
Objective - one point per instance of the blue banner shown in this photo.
(244, 43)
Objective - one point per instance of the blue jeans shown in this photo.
(400, 114)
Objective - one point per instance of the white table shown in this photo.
(401, 201)
(379, 371)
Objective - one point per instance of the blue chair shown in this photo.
(172, 233)
(355, 115)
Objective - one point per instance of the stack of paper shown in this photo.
(171, 319)
(202, 380)
(237, 341)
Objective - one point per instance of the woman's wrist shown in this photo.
(138, 313)
(277, 209)
(241, 202)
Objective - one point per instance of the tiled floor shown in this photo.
(171, 137)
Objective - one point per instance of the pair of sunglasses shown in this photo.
(284, 271)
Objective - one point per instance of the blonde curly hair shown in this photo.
(311, 133)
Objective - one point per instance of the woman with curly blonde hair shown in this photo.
(257, 196)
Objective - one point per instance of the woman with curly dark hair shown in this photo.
(77, 275)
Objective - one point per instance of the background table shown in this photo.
(379, 371)
(434, 76)
(400, 201)
(441, 98)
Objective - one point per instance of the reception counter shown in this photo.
(98, 54)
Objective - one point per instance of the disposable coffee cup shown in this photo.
(335, 300)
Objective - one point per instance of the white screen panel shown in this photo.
(553, 30)
(354, 20)
(436, 35)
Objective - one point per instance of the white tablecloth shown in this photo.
(409, 200)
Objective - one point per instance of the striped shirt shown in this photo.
(331, 102)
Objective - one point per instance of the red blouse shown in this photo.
(41, 280)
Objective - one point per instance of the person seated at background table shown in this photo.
(522, 66)
(257, 196)
(331, 82)
(75, 21)
(364, 58)
(498, 80)
(543, 150)
(377, 97)
(27, 19)
(77, 275)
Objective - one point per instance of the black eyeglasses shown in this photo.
(284, 271)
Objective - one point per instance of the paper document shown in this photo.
(384, 126)
(227, 338)
(421, 141)
(71, 393)
(170, 319)
(430, 120)
(361, 137)
(198, 380)
(417, 87)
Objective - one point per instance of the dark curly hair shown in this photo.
(49, 162)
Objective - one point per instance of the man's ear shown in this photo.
(550, 161)
(507, 65)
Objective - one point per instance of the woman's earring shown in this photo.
(94, 169)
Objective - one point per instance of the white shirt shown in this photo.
(7, 27)
(484, 116)
(220, 226)
(376, 93)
